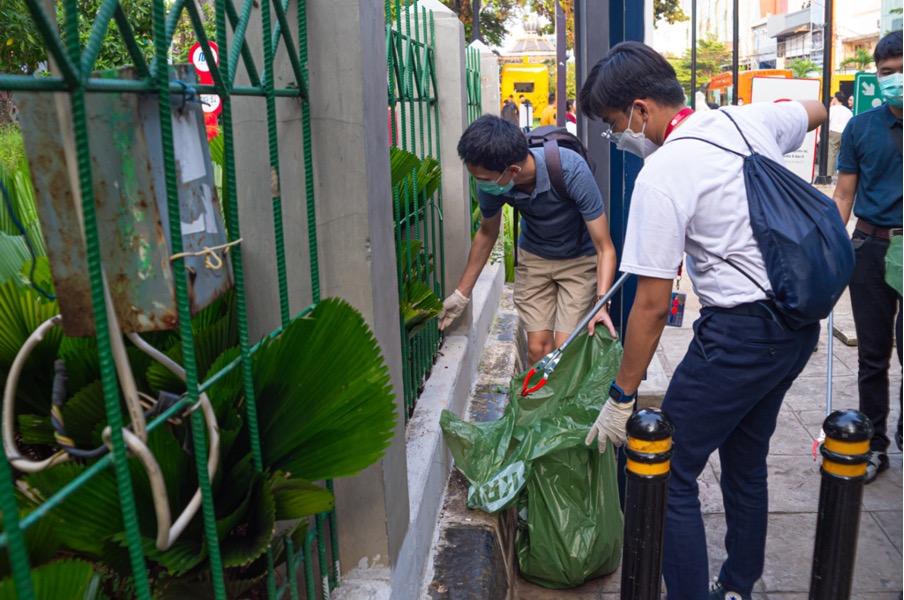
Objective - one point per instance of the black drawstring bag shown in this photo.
(808, 255)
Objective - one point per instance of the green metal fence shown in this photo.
(73, 77)
(414, 127)
(475, 108)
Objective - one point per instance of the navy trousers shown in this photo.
(725, 395)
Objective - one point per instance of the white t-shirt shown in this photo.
(690, 198)
(838, 117)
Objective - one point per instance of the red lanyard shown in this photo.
(676, 120)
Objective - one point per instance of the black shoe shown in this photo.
(878, 462)
(718, 592)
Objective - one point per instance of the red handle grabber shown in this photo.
(549, 362)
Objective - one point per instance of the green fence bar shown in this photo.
(414, 127)
(475, 108)
(72, 74)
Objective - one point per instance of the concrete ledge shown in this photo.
(429, 461)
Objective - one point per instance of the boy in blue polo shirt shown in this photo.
(869, 170)
(566, 259)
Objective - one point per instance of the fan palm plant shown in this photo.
(325, 409)
(413, 177)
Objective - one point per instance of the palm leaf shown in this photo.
(21, 311)
(210, 342)
(297, 498)
(325, 400)
(62, 579)
(429, 176)
(40, 539)
(401, 164)
(13, 255)
(418, 305)
(249, 539)
(36, 430)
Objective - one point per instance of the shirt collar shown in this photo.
(889, 118)
(542, 183)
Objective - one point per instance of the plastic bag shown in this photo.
(893, 263)
(534, 458)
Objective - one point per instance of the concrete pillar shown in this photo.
(347, 60)
(453, 119)
(254, 189)
(347, 75)
(490, 100)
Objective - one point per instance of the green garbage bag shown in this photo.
(893, 263)
(534, 459)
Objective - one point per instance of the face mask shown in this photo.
(891, 87)
(494, 188)
(634, 142)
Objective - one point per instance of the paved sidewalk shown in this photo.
(793, 474)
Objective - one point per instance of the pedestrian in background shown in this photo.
(571, 117)
(548, 116)
(839, 115)
(690, 198)
(526, 114)
(510, 110)
(869, 182)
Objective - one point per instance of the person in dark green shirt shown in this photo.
(869, 182)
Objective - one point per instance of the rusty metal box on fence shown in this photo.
(128, 180)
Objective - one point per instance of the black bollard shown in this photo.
(844, 457)
(648, 452)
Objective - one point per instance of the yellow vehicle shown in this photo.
(528, 80)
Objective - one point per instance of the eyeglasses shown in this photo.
(610, 136)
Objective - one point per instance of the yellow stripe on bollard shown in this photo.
(647, 447)
(843, 470)
(841, 447)
(639, 468)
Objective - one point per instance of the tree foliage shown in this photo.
(802, 67)
(493, 17)
(711, 56)
(669, 11)
(22, 49)
(861, 60)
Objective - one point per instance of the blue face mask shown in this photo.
(891, 88)
(494, 188)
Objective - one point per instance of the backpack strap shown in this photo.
(705, 141)
(743, 137)
(554, 167)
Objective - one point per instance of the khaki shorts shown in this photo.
(554, 294)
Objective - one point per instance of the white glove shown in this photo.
(453, 306)
(610, 424)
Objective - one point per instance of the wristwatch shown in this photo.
(618, 395)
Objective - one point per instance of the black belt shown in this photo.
(765, 309)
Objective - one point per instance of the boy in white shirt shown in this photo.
(690, 198)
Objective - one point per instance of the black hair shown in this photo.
(629, 71)
(839, 95)
(552, 97)
(492, 143)
(569, 104)
(888, 47)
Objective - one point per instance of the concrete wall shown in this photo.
(354, 215)
(354, 226)
(490, 99)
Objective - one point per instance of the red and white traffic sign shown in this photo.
(196, 57)
(211, 103)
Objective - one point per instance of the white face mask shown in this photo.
(634, 142)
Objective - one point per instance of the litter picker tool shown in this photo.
(830, 359)
(548, 363)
